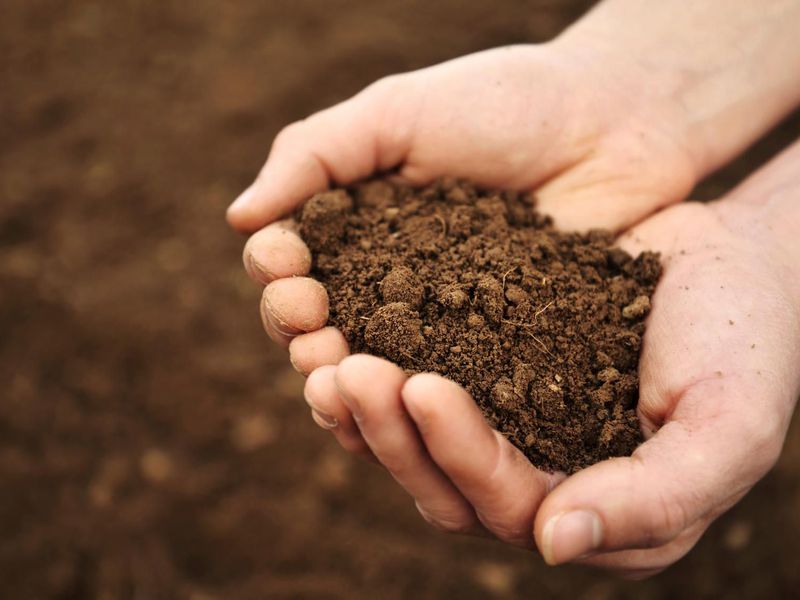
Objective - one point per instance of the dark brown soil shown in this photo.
(543, 328)
(153, 444)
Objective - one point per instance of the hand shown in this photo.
(618, 117)
(601, 151)
(719, 382)
(603, 139)
(582, 125)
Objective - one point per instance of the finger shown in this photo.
(349, 141)
(331, 414)
(500, 483)
(370, 387)
(695, 467)
(275, 252)
(310, 351)
(643, 563)
(292, 306)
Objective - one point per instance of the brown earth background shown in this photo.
(152, 443)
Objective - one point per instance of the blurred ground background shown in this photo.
(152, 443)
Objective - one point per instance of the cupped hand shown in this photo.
(718, 377)
(718, 387)
(574, 121)
(583, 125)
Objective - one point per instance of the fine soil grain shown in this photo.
(543, 328)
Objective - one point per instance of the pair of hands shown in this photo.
(718, 369)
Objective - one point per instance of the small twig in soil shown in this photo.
(538, 312)
(544, 348)
(506, 274)
(370, 312)
(516, 323)
(544, 308)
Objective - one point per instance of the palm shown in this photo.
(714, 311)
(602, 151)
(709, 351)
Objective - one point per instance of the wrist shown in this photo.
(646, 99)
(727, 68)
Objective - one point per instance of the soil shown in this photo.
(153, 444)
(543, 328)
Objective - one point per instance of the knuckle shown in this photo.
(670, 519)
(386, 85)
(287, 135)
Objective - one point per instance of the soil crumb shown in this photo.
(542, 327)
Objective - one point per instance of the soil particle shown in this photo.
(638, 308)
(542, 327)
(323, 223)
(394, 331)
(401, 285)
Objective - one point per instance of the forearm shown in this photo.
(733, 66)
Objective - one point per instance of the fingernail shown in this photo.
(297, 367)
(276, 322)
(350, 401)
(571, 535)
(324, 420)
(243, 200)
(258, 271)
(320, 417)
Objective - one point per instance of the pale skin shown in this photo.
(610, 124)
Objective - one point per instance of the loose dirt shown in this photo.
(542, 327)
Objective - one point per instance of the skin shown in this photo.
(604, 142)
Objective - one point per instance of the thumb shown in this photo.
(714, 448)
(344, 143)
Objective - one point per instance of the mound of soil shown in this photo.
(542, 327)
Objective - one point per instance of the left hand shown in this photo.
(719, 381)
